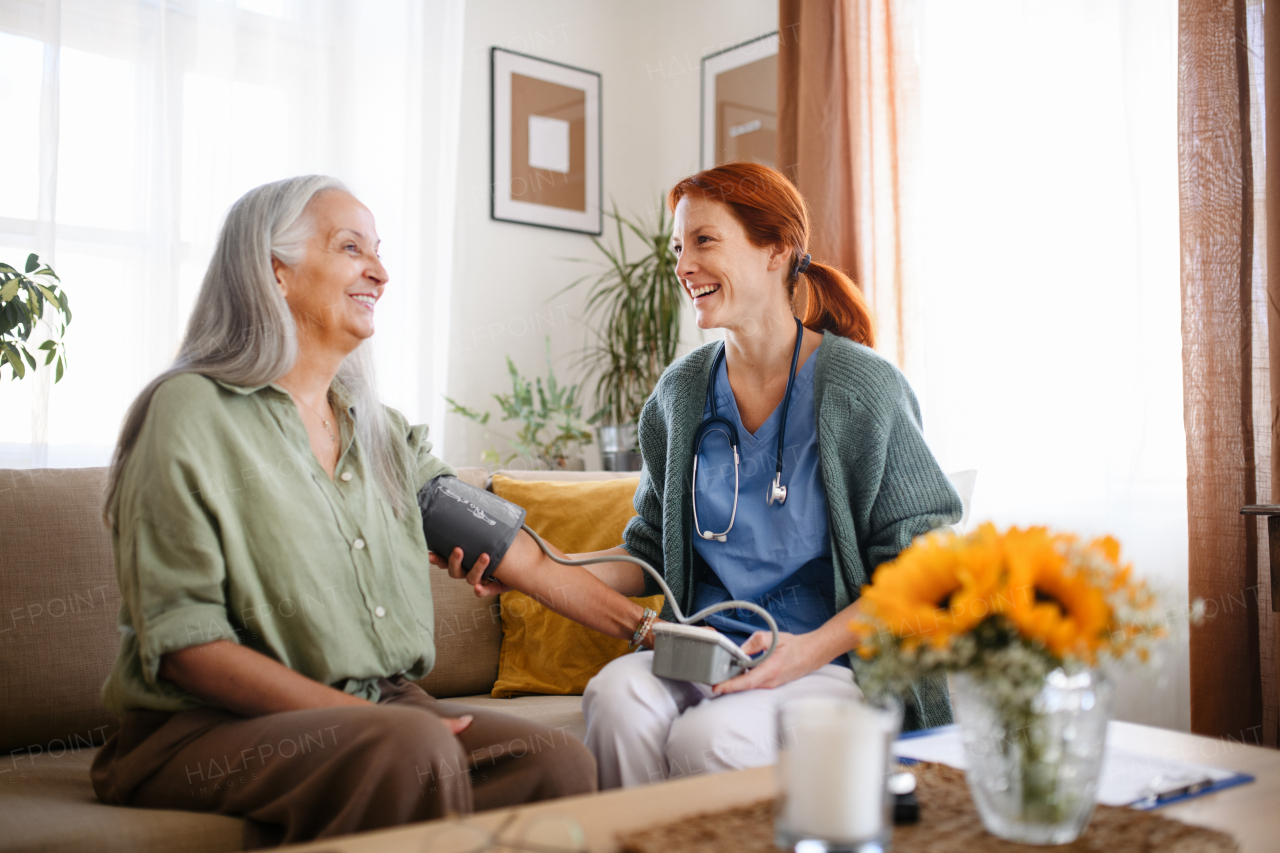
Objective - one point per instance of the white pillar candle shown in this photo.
(832, 768)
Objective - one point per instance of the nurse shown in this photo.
(832, 477)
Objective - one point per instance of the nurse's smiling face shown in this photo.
(733, 283)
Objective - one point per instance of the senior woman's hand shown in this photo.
(473, 577)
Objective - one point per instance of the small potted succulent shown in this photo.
(536, 406)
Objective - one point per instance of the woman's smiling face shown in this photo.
(332, 291)
(730, 280)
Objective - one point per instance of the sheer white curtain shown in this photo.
(144, 119)
(1045, 321)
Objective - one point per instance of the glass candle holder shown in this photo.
(833, 763)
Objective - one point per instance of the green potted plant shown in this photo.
(633, 307)
(24, 297)
(536, 406)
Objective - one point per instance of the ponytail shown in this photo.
(836, 305)
(774, 213)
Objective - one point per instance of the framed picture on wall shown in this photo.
(740, 103)
(545, 143)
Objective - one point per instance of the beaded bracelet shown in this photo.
(646, 622)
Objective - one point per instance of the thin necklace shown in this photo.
(333, 439)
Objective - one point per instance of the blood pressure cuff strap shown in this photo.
(458, 515)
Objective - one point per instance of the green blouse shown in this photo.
(227, 527)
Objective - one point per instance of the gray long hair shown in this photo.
(242, 332)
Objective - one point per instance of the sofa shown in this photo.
(58, 638)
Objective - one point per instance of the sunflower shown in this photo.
(940, 587)
(1049, 599)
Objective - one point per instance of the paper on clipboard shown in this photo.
(1128, 778)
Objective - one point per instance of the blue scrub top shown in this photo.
(778, 557)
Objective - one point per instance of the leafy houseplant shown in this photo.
(24, 297)
(634, 304)
(1023, 618)
(535, 407)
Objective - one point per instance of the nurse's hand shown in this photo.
(796, 656)
(454, 565)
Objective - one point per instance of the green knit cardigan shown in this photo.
(884, 488)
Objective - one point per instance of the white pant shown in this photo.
(644, 729)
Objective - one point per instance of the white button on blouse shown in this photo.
(359, 544)
(379, 612)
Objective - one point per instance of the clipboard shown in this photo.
(1131, 779)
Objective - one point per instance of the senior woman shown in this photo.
(271, 558)
(860, 484)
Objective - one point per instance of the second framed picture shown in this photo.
(545, 143)
(740, 103)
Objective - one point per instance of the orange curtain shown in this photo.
(1216, 199)
(846, 98)
(1270, 601)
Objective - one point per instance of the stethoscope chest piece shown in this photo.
(777, 492)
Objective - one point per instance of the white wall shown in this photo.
(506, 275)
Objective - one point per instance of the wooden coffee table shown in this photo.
(1250, 812)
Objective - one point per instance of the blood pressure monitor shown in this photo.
(458, 515)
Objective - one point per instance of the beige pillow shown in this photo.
(542, 651)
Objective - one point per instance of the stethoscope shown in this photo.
(718, 423)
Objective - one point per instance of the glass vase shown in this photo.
(1033, 768)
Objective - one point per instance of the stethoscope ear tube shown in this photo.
(747, 662)
(711, 425)
(777, 492)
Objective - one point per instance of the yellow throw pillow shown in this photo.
(543, 652)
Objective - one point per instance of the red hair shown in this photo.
(774, 213)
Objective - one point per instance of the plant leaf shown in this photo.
(15, 361)
(33, 261)
(48, 294)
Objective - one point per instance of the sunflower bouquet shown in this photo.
(1008, 608)
(1023, 618)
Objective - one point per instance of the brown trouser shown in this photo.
(301, 775)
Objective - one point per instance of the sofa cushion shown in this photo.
(542, 651)
(47, 804)
(58, 607)
(468, 630)
(566, 476)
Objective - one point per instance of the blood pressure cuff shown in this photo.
(458, 515)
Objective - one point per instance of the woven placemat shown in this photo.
(948, 824)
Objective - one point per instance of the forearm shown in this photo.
(626, 578)
(835, 637)
(572, 591)
(245, 682)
